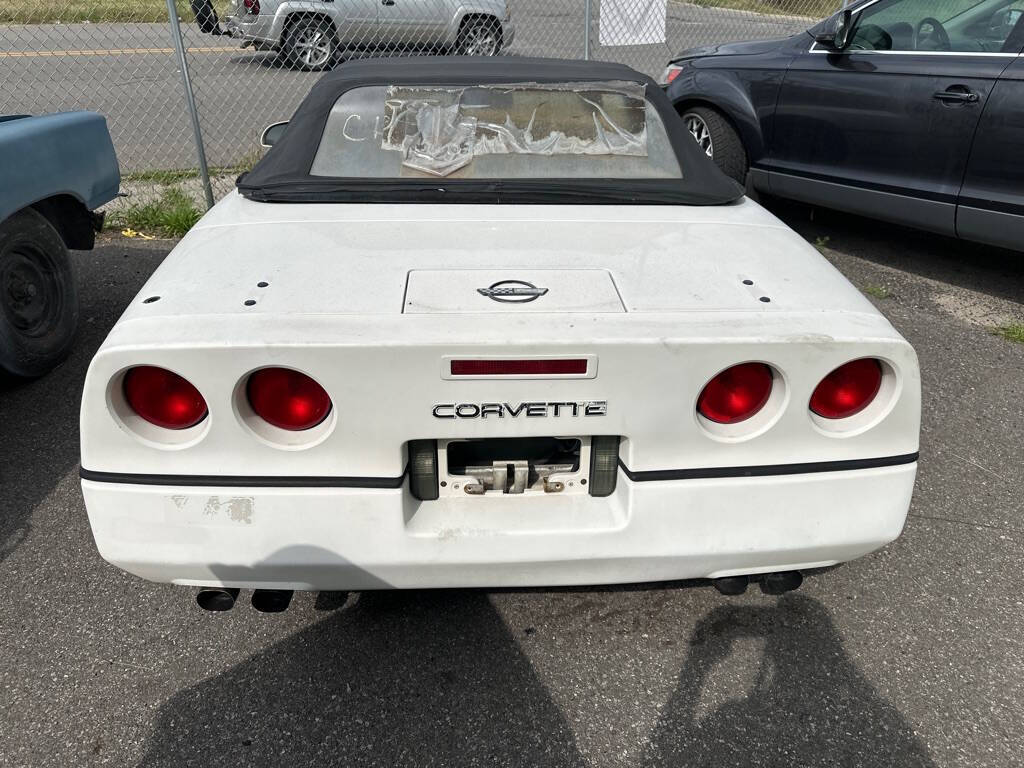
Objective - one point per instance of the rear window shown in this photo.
(493, 132)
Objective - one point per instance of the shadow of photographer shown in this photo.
(805, 702)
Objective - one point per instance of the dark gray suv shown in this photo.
(905, 110)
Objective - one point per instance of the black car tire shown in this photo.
(206, 16)
(301, 30)
(726, 146)
(38, 296)
(480, 37)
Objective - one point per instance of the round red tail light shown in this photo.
(848, 390)
(163, 398)
(736, 393)
(287, 399)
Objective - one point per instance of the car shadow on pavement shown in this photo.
(436, 678)
(393, 678)
(39, 419)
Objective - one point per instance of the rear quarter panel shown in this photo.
(744, 87)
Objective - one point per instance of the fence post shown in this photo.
(197, 131)
(586, 29)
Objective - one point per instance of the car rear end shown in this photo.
(663, 404)
(259, 22)
(511, 328)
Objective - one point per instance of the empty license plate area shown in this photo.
(513, 466)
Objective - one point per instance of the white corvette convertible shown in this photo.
(484, 322)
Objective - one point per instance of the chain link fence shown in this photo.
(248, 63)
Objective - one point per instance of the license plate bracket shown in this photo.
(513, 466)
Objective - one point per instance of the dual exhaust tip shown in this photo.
(263, 600)
(771, 583)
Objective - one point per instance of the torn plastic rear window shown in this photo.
(496, 131)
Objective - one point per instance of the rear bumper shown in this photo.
(378, 538)
(263, 29)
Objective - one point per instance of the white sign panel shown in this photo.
(632, 22)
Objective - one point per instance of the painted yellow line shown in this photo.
(108, 52)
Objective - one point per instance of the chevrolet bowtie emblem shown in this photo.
(513, 292)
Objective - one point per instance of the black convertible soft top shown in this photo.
(283, 175)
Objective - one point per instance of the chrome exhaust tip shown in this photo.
(217, 598)
(781, 582)
(271, 600)
(731, 585)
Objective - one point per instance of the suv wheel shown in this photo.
(719, 140)
(38, 296)
(311, 45)
(480, 37)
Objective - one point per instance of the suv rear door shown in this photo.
(991, 205)
(355, 20)
(412, 23)
(885, 127)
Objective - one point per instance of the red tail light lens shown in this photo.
(287, 399)
(252, 6)
(163, 398)
(848, 390)
(736, 393)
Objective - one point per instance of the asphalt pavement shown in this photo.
(908, 657)
(129, 73)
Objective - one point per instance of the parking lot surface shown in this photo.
(909, 657)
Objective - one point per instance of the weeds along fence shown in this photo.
(243, 64)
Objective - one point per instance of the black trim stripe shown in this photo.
(235, 481)
(768, 470)
(842, 181)
(999, 206)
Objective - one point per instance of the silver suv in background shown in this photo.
(312, 34)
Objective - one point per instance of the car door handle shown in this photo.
(956, 97)
(387, 2)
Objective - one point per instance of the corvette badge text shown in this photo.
(529, 410)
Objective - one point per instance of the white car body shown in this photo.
(373, 300)
(679, 314)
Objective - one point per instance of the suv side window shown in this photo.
(929, 26)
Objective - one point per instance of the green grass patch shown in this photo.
(174, 214)
(163, 176)
(69, 11)
(174, 175)
(1011, 332)
(877, 291)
